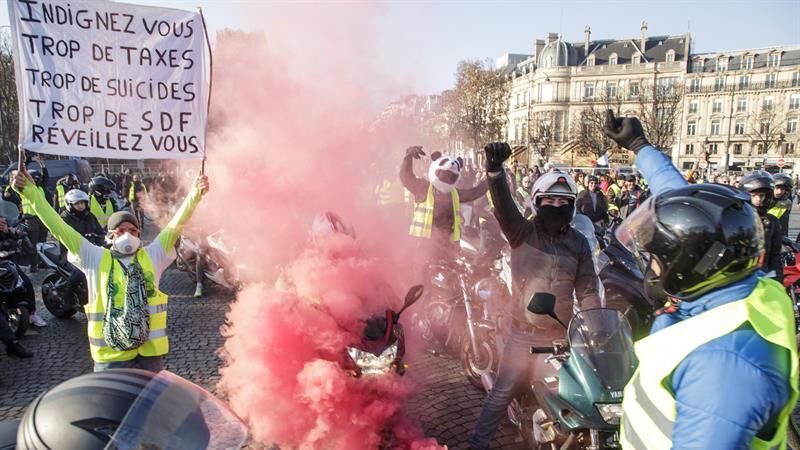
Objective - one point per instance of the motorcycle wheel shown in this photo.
(474, 365)
(18, 320)
(54, 300)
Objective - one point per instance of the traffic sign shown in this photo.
(781, 162)
(703, 164)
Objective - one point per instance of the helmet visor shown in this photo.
(173, 413)
(637, 231)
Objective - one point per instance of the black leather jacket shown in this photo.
(540, 262)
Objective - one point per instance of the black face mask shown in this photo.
(554, 218)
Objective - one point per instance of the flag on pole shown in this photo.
(603, 160)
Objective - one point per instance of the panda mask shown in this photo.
(444, 172)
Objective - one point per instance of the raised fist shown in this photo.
(415, 152)
(627, 131)
(496, 153)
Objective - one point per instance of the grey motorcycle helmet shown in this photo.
(128, 409)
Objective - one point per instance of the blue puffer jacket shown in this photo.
(733, 387)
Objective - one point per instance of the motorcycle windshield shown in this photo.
(9, 211)
(602, 338)
(173, 413)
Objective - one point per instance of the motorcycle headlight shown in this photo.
(371, 364)
(484, 289)
(611, 412)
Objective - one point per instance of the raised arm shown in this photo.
(170, 234)
(473, 193)
(417, 186)
(514, 226)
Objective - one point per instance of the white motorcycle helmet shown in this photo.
(75, 196)
(554, 184)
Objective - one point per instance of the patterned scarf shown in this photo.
(127, 327)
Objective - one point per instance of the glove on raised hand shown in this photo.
(496, 154)
(625, 131)
(415, 152)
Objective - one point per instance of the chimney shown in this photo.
(539, 47)
(587, 34)
(552, 37)
(643, 44)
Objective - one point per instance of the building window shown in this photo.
(794, 101)
(717, 106)
(590, 60)
(697, 65)
(691, 128)
(633, 89)
(739, 127)
(719, 84)
(693, 107)
(741, 104)
(715, 127)
(748, 62)
(635, 59)
(788, 149)
(548, 62)
(774, 59)
(772, 78)
(588, 90)
(791, 125)
(611, 90)
(713, 149)
(690, 149)
(671, 56)
(766, 105)
(722, 65)
(612, 60)
(796, 79)
(764, 128)
(744, 82)
(694, 85)
(737, 149)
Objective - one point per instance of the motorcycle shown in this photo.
(791, 277)
(382, 346)
(12, 289)
(55, 282)
(575, 392)
(217, 267)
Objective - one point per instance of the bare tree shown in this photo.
(586, 131)
(766, 128)
(475, 109)
(544, 133)
(660, 108)
(9, 109)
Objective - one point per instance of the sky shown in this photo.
(434, 36)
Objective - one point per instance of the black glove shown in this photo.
(415, 152)
(627, 131)
(496, 153)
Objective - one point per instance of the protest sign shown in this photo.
(110, 80)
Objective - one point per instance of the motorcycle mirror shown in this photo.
(412, 296)
(544, 303)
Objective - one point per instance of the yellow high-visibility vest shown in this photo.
(422, 220)
(158, 342)
(649, 409)
(778, 211)
(60, 196)
(100, 212)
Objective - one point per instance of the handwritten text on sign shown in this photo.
(110, 80)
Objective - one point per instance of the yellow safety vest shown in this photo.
(649, 408)
(778, 211)
(101, 213)
(158, 343)
(422, 221)
(614, 187)
(27, 206)
(132, 193)
(60, 194)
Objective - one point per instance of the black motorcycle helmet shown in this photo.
(84, 413)
(785, 181)
(760, 180)
(101, 187)
(36, 175)
(701, 237)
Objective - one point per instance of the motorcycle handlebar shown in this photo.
(542, 350)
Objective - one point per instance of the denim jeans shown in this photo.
(512, 374)
(151, 363)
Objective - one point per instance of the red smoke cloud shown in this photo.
(289, 139)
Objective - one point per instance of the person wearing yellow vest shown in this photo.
(782, 202)
(719, 369)
(37, 233)
(437, 210)
(64, 185)
(100, 204)
(126, 312)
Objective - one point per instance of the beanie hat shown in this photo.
(119, 217)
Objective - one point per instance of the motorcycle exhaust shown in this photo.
(487, 379)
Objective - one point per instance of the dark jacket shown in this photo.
(541, 262)
(86, 224)
(596, 212)
(773, 246)
(630, 200)
(443, 218)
